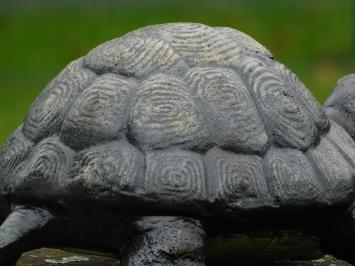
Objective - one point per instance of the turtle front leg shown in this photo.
(24, 229)
(166, 241)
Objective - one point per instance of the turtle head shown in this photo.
(340, 106)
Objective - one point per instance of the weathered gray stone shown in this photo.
(169, 134)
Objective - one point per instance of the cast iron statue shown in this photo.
(170, 135)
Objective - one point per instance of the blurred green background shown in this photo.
(314, 38)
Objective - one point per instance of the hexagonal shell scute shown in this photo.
(237, 181)
(175, 176)
(228, 108)
(135, 56)
(106, 171)
(335, 172)
(46, 171)
(165, 114)
(15, 151)
(49, 109)
(291, 178)
(99, 113)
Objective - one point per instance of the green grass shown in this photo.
(38, 38)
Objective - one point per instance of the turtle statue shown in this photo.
(171, 135)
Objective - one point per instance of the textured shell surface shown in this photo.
(179, 113)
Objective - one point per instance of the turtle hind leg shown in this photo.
(166, 240)
(24, 229)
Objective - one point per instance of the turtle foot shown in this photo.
(24, 229)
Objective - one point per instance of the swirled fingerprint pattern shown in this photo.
(343, 141)
(99, 113)
(245, 41)
(134, 56)
(292, 178)
(337, 174)
(196, 43)
(15, 151)
(230, 107)
(165, 114)
(290, 124)
(47, 169)
(306, 98)
(48, 111)
(175, 175)
(108, 169)
(240, 179)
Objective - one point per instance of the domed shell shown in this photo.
(179, 113)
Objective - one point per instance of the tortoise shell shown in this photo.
(179, 114)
